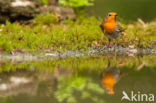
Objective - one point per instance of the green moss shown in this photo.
(46, 18)
(45, 32)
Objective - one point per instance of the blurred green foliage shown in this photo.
(66, 88)
(76, 3)
(44, 2)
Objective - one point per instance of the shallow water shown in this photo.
(97, 78)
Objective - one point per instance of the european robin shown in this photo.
(110, 27)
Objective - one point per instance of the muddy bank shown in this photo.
(103, 50)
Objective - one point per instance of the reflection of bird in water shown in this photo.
(110, 77)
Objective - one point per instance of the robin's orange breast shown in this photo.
(109, 27)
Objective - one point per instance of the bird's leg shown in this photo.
(108, 44)
(109, 41)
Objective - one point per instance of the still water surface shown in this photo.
(88, 79)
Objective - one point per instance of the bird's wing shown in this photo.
(100, 25)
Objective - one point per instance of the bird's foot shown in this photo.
(108, 45)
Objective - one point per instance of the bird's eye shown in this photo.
(109, 14)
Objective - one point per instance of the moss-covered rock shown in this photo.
(16, 10)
